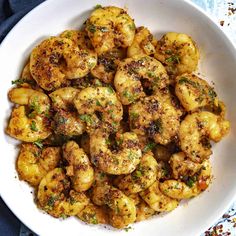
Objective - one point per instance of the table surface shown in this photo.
(223, 13)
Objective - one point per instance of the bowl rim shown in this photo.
(213, 21)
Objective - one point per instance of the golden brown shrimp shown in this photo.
(123, 161)
(194, 92)
(178, 52)
(51, 195)
(144, 175)
(197, 129)
(102, 100)
(107, 64)
(155, 118)
(79, 167)
(157, 200)
(110, 27)
(56, 59)
(130, 74)
(143, 43)
(144, 211)
(192, 186)
(33, 163)
(68, 123)
(30, 124)
(93, 214)
(122, 210)
(182, 166)
(63, 98)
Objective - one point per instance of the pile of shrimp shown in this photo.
(115, 125)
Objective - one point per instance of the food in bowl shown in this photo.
(115, 125)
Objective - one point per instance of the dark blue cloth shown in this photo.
(11, 11)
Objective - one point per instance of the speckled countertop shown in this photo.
(224, 13)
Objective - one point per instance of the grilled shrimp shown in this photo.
(123, 161)
(56, 59)
(144, 211)
(29, 124)
(110, 27)
(157, 200)
(192, 186)
(122, 210)
(68, 123)
(63, 98)
(107, 64)
(143, 43)
(194, 92)
(102, 100)
(79, 168)
(135, 74)
(52, 198)
(93, 214)
(197, 129)
(182, 166)
(178, 53)
(33, 163)
(156, 118)
(144, 175)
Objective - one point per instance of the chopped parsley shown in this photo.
(38, 143)
(127, 228)
(149, 147)
(133, 115)
(132, 26)
(92, 28)
(128, 95)
(212, 94)
(86, 118)
(98, 6)
(33, 126)
(93, 219)
(191, 180)
(34, 105)
(110, 89)
(173, 59)
(98, 103)
(51, 201)
(21, 81)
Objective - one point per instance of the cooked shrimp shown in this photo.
(102, 100)
(51, 195)
(33, 163)
(194, 92)
(144, 211)
(63, 98)
(155, 118)
(143, 43)
(29, 124)
(157, 200)
(107, 64)
(123, 161)
(68, 123)
(26, 80)
(56, 59)
(110, 27)
(192, 186)
(197, 129)
(93, 214)
(182, 166)
(79, 168)
(178, 52)
(144, 175)
(122, 210)
(130, 74)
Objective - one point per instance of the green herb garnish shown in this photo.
(149, 147)
(86, 118)
(92, 28)
(38, 143)
(33, 126)
(173, 58)
(98, 6)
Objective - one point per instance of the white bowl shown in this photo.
(218, 64)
